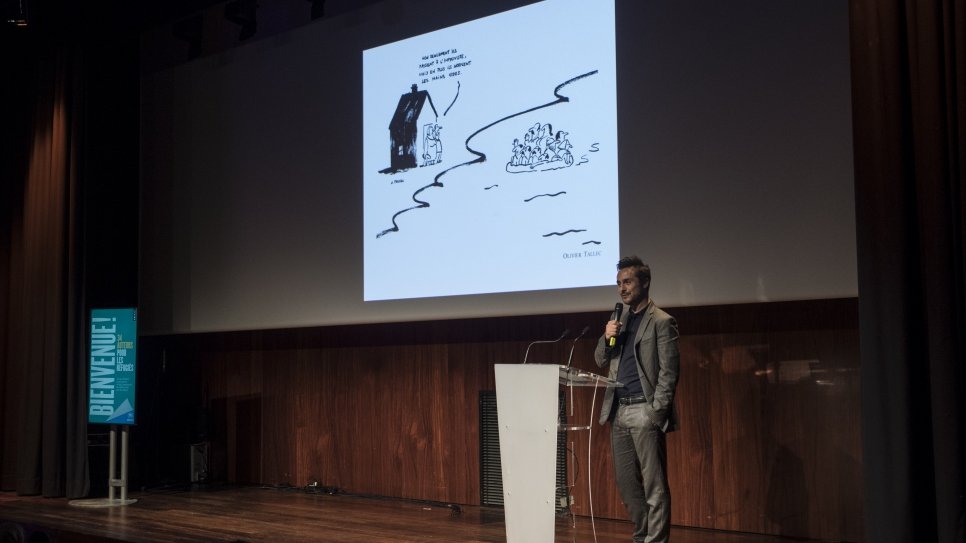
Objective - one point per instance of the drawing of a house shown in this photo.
(405, 128)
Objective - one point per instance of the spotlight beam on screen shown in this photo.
(481, 157)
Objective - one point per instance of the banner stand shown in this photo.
(112, 482)
(111, 391)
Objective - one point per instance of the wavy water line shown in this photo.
(564, 233)
(547, 195)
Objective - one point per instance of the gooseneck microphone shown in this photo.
(618, 309)
(571, 357)
(526, 354)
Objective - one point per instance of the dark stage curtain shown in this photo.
(909, 113)
(42, 370)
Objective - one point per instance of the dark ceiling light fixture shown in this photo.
(190, 31)
(242, 13)
(318, 9)
(15, 12)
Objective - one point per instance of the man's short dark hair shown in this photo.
(641, 270)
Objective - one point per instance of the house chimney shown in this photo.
(414, 88)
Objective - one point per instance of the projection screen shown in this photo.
(420, 160)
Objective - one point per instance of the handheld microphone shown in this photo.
(571, 357)
(525, 355)
(618, 309)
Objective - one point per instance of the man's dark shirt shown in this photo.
(627, 371)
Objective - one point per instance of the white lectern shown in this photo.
(526, 406)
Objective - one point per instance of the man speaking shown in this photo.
(640, 344)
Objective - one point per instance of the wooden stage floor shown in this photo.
(254, 514)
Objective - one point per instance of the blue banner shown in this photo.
(113, 351)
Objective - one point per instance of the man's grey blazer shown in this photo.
(658, 365)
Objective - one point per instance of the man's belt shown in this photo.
(631, 400)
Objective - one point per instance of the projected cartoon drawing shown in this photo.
(442, 205)
(412, 122)
(432, 145)
(540, 150)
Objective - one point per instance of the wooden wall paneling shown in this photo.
(779, 435)
(243, 385)
(247, 466)
(843, 414)
(466, 378)
(812, 389)
(293, 394)
(326, 415)
(690, 449)
(791, 451)
(789, 407)
(769, 440)
(807, 390)
(472, 364)
(410, 420)
(736, 420)
(213, 403)
(151, 440)
(350, 418)
(367, 418)
(169, 416)
(284, 410)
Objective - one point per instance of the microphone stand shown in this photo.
(572, 347)
(526, 354)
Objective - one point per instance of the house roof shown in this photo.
(410, 107)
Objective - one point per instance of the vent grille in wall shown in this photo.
(491, 476)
